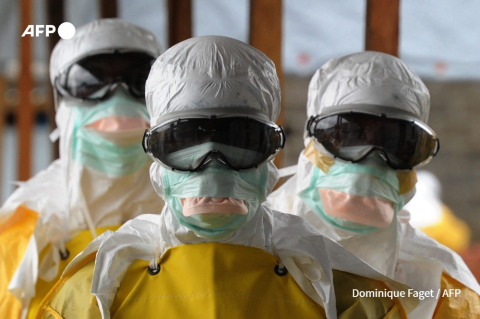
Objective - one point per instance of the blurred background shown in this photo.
(437, 38)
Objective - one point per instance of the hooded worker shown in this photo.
(215, 251)
(101, 179)
(365, 135)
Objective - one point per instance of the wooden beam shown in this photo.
(25, 85)
(266, 35)
(55, 16)
(108, 8)
(179, 21)
(382, 26)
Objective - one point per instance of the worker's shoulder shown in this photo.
(16, 231)
(44, 193)
(71, 296)
(358, 297)
(456, 300)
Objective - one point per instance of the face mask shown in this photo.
(110, 151)
(215, 182)
(360, 198)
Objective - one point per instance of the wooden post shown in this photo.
(25, 84)
(382, 26)
(108, 9)
(55, 16)
(179, 21)
(266, 35)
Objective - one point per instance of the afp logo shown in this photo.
(66, 30)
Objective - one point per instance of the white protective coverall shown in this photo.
(68, 199)
(206, 72)
(398, 251)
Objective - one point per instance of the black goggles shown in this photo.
(188, 144)
(96, 76)
(403, 144)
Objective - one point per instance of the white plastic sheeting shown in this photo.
(438, 38)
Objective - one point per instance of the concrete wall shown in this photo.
(455, 117)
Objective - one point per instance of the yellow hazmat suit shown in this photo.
(50, 213)
(212, 280)
(267, 265)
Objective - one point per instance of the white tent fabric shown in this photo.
(437, 37)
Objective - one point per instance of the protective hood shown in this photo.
(368, 79)
(399, 252)
(102, 199)
(68, 196)
(373, 82)
(213, 72)
(100, 35)
(379, 249)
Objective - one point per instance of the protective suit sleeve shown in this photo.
(71, 297)
(350, 304)
(15, 234)
(466, 304)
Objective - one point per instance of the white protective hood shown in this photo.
(221, 77)
(213, 72)
(103, 199)
(100, 35)
(218, 72)
(375, 81)
(68, 196)
(368, 78)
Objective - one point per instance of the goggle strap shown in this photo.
(282, 136)
(145, 139)
(438, 147)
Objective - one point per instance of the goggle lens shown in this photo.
(93, 77)
(405, 144)
(239, 142)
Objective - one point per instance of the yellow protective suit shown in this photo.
(15, 234)
(466, 304)
(74, 246)
(14, 237)
(450, 231)
(211, 280)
